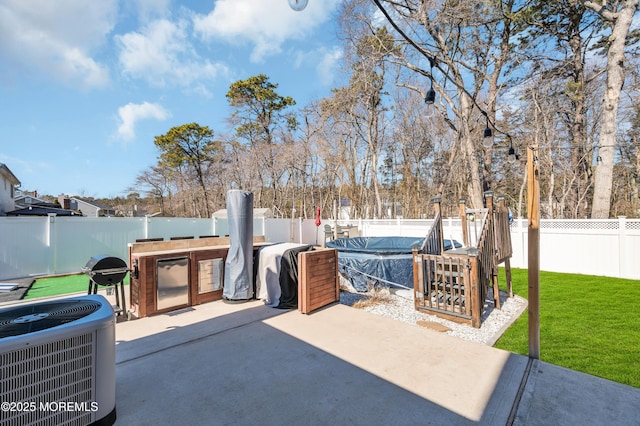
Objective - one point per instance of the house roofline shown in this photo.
(9, 174)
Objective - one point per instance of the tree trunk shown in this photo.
(578, 122)
(475, 184)
(621, 22)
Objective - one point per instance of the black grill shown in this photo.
(106, 270)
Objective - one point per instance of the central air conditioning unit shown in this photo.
(57, 363)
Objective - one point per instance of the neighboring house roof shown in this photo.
(42, 211)
(8, 175)
(100, 207)
(93, 203)
(26, 200)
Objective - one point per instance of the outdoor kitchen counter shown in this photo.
(174, 274)
(151, 252)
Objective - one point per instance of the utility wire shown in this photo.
(432, 60)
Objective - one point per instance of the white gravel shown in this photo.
(399, 305)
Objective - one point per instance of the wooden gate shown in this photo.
(446, 285)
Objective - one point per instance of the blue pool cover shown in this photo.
(372, 261)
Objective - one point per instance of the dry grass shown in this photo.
(344, 285)
(374, 296)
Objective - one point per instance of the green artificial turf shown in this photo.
(56, 286)
(587, 323)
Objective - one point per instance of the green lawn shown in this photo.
(587, 323)
(55, 286)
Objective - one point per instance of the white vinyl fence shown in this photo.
(36, 246)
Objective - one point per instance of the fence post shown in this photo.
(488, 199)
(335, 219)
(533, 243)
(521, 231)
(463, 217)
(300, 229)
(418, 279)
(622, 243)
(473, 287)
(507, 262)
(52, 240)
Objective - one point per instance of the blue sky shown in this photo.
(86, 85)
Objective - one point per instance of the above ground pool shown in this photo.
(371, 261)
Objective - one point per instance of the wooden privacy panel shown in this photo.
(317, 279)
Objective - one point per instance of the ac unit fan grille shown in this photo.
(55, 372)
(31, 318)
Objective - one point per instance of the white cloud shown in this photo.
(162, 54)
(152, 9)
(328, 64)
(325, 59)
(267, 24)
(56, 38)
(131, 113)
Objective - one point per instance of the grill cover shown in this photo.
(106, 270)
(238, 276)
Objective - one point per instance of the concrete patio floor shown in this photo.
(248, 364)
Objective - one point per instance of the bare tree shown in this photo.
(468, 44)
(618, 15)
(156, 183)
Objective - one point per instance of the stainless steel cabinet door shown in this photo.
(173, 282)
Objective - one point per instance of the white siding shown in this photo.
(6, 196)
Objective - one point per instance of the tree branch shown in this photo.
(601, 10)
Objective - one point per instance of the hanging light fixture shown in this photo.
(298, 5)
(430, 97)
(597, 160)
(512, 157)
(487, 136)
